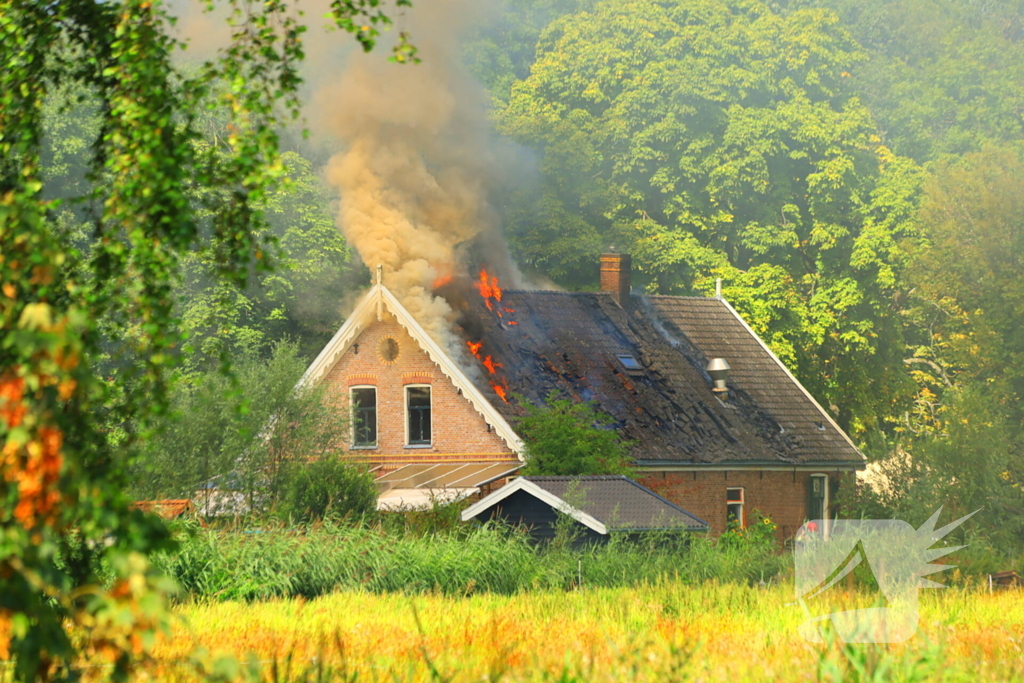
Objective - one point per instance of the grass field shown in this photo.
(666, 632)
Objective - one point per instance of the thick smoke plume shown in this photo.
(412, 177)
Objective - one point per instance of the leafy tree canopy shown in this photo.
(565, 438)
(941, 76)
(716, 138)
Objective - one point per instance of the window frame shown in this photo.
(408, 414)
(742, 502)
(376, 416)
(826, 522)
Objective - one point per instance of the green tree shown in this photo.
(565, 438)
(941, 76)
(716, 138)
(970, 270)
(329, 488)
(61, 477)
(960, 445)
(246, 431)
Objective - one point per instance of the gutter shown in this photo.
(771, 465)
(702, 529)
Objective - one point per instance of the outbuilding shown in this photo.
(597, 505)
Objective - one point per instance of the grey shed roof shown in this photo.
(616, 502)
(619, 502)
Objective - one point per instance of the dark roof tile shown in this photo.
(569, 343)
(619, 502)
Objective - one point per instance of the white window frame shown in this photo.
(405, 414)
(742, 502)
(826, 521)
(352, 416)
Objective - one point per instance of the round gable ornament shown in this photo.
(388, 349)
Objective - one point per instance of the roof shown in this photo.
(420, 498)
(471, 475)
(719, 331)
(572, 342)
(603, 503)
(166, 509)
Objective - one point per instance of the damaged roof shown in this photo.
(645, 368)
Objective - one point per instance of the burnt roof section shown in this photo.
(619, 502)
(570, 342)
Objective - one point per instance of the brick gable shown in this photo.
(459, 432)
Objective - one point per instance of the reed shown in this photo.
(662, 631)
(278, 561)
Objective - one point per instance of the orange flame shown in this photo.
(442, 280)
(474, 348)
(491, 365)
(500, 391)
(488, 287)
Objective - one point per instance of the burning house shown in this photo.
(719, 425)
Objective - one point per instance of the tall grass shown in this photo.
(277, 561)
(649, 633)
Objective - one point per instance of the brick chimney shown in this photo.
(616, 270)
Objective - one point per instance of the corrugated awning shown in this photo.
(471, 475)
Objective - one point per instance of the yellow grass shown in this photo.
(660, 633)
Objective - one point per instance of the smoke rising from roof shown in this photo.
(413, 176)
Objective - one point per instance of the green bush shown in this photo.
(329, 488)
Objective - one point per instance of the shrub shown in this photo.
(329, 488)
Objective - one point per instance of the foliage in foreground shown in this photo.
(659, 632)
(59, 476)
(269, 562)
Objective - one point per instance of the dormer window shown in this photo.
(629, 362)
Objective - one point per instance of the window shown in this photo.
(734, 508)
(817, 497)
(417, 405)
(629, 362)
(364, 417)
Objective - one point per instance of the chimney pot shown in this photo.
(718, 369)
(616, 276)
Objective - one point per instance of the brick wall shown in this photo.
(459, 432)
(780, 495)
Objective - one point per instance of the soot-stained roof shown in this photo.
(581, 344)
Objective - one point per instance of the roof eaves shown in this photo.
(791, 376)
(524, 484)
(664, 500)
(753, 464)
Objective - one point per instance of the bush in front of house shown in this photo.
(328, 488)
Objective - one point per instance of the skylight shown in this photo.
(629, 362)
